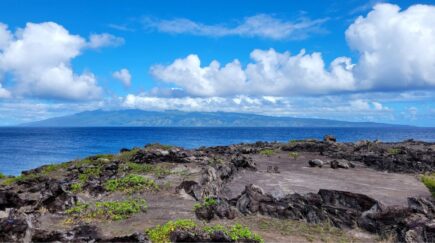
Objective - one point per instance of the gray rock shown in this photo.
(316, 163)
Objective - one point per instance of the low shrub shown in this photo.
(111, 210)
(161, 233)
(293, 155)
(2, 176)
(267, 152)
(130, 183)
(208, 202)
(76, 187)
(237, 232)
(394, 151)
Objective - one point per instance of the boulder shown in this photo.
(316, 163)
(329, 138)
(341, 163)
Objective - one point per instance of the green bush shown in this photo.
(208, 202)
(111, 210)
(130, 183)
(2, 176)
(161, 233)
(157, 170)
(429, 182)
(90, 172)
(293, 155)
(21, 178)
(267, 152)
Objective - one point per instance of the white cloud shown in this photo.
(5, 36)
(397, 52)
(396, 47)
(4, 93)
(271, 73)
(124, 76)
(39, 58)
(261, 25)
(104, 40)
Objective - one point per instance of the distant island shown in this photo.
(174, 118)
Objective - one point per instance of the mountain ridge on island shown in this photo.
(176, 118)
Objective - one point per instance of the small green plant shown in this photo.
(130, 183)
(76, 187)
(90, 172)
(429, 182)
(208, 202)
(239, 232)
(157, 170)
(158, 146)
(161, 233)
(79, 208)
(293, 141)
(2, 176)
(394, 151)
(293, 155)
(111, 210)
(267, 152)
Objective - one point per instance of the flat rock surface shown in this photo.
(297, 177)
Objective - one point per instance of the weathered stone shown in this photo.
(316, 163)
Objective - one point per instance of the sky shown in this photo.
(345, 60)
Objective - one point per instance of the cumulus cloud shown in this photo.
(124, 76)
(39, 58)
(396, 47)
(261, 25)
(396, 53)
(104, 40)
(271, 73)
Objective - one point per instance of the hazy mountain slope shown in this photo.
(100, 118)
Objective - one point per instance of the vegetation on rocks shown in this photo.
(293, 155)
(267, 152)
(131, 183)
(111, 210)
(236, 233)
(208, 202)
(429, 182)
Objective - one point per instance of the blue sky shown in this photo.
(348, 60)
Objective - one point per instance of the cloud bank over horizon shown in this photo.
(393, 61)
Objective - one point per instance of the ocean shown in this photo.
(23, 148)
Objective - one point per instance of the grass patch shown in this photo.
(429, 182)
(128, 155)
(89, 173)
(311, 232)
(293, 141)
(161, 233)
(110, 210)
(2, 176)
(394, 151)
(130, 183)
(293, 155)
(76, 187)
(158, 170)
(237, 232)
(267, 152)
(20, 179)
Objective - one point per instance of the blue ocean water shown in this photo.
(24, 148)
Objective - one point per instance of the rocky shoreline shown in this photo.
(162, 193)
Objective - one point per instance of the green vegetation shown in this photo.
(394, 151)
(2, 176)
(111, 210)
(158, 170)
(236, 232)
(208, 202)
(89, 173)
(267, 152)
(21, 178)
(128, 155)
(293, 155)
(76, 187)
(162, 233)
(130, 183)
(293, 141)
(429, 182)
(311, 232)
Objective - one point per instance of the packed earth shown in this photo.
(302, 190)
